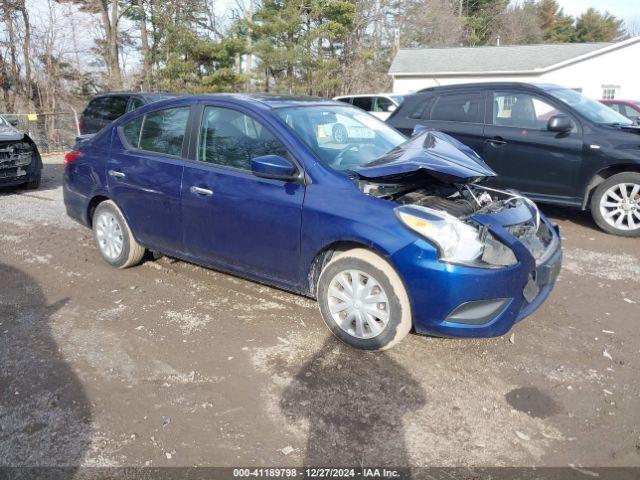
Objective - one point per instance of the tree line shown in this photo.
(315, 47)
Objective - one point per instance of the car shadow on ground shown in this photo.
(574, 215)
(51, 179)
(45, 414)
(354, 403)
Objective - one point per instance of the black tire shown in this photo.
(399, 309)
(132, 252)
(632, 178)
(34, 184)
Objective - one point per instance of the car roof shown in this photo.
(489, 85)
(269, 100)
(354, 95)
(150, 96)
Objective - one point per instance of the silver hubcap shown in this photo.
(620, 206)
(109, 235)
(358, 304)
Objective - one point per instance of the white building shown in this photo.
(598, 70)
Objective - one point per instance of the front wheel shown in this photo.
(615, 205)
(363, 300)
(113, 236)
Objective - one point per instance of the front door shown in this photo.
(144, 175)
(231, 217)
(526, 155)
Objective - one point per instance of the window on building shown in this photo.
(610, 92)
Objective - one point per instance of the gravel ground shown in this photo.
(171, 364)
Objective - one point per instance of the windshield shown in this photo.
(3, 122)
(593, 110)
(342, 137)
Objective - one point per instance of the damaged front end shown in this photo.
(436, 183)
(19, 157)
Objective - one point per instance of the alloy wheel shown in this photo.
(620, 206)
(358, 304)
(109, 235)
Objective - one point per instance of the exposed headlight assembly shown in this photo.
(457, 242)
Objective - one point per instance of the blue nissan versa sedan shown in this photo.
(388, 233)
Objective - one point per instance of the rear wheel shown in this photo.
(615, 205)
(113, 236)
(363, 301)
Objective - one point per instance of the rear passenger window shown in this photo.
(465, 108)
(114, 107)
(160, 132)
(163, 131)
(231, 138)
(365, 103)
(93, 107)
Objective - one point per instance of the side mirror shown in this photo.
(560, 124)
(638, 120)
(419, 129)
(13, 121)
(274, 167)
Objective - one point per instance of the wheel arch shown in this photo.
(602, 175)
(324, 255)
(91, 207)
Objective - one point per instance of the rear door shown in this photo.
(232, 217)
(145, 174)
(524, 153)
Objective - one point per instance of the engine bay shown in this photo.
(459, 200)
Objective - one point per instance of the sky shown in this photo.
(628, 10)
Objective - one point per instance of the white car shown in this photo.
(379, 104)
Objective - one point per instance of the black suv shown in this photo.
(550, 142)
(105, 108)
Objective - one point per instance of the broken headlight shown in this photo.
(20, 153)
(457, 241)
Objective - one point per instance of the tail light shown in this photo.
(71, 156)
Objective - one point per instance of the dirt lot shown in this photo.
(172, 364)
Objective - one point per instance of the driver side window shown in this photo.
(521, 110)
(231, 138)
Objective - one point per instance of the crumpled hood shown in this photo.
(435, 152)
(10, 134)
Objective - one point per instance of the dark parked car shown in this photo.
(628, 108)
(105, 108)
(387, 234)
(20, 162)
(549, 142)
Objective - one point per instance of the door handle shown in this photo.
(496, 141)
(201, 191)
(116, 174)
